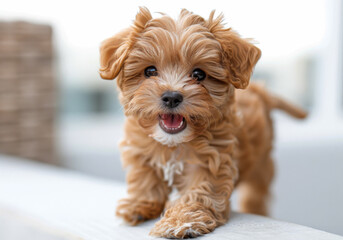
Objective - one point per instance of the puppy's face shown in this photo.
(176, 76)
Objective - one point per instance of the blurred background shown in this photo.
(54, 107)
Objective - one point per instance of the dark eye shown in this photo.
(198, 74)
(150, 71)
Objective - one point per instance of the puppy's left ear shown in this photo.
(240, 56)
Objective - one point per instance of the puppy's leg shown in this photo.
(254, 190)
(147, 195)
(204, 204)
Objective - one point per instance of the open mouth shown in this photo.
(172, 123)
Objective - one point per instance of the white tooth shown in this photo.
(171, 128)
(179, 125)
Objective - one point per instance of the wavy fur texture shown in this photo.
(228, 139)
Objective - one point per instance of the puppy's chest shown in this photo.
(172, 167)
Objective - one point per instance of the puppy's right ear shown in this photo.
(114, 51)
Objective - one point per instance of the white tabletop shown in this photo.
(42, 202)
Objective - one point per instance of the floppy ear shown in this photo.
(114, 51)
(239, 55)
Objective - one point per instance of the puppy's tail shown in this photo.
(279, 103)
(275, 102)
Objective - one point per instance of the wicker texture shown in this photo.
(27, 91)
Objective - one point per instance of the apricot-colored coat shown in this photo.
(229, 133)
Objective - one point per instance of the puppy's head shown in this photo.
(177, 76)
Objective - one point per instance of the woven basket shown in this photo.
(27, 91)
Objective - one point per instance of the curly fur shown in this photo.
(228, 138)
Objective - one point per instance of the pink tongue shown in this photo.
(171, 120)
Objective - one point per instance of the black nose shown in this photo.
(171, 99)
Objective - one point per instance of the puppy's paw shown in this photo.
(184, 221)
(135, 211)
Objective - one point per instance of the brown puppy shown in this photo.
(186, 127)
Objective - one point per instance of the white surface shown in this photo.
(41, 202)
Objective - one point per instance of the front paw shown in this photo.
(184, 221)
(135, 211)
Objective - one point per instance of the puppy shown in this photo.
(187, 128)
